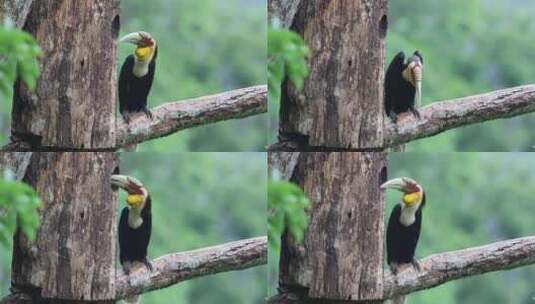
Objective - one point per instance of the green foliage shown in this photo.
(18, 206)
(287, 205)
(18, 58)
(287, 54)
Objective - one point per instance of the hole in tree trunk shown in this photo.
(383, 26)
(382, 176)
(116, 26)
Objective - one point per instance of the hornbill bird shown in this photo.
(135, 223)
(404, 226)
(403, 85)
(137, 74)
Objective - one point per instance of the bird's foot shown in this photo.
(148, 264)
(127, 267)
(395, 268)
(148, 113)
(415, 112)
(416, 265)
(393, 116)
(126, 117)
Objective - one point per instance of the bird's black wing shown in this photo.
(123, 234)
(393, 81)
(416, 228)
(125, 81)
(146, 228)
(392, 242)
(150, 75)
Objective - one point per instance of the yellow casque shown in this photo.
(411, 198)
(134, 200)
(144, 53)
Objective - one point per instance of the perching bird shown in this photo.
(135, 225)
(404, 226)
(403, 85)
(137, 74)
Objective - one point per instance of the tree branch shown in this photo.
(441, 116)
(177, 267)
(444, 267)
(175, 116)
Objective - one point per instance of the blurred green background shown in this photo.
(472, 199)
(469, 47)
(199, 200)
(205, 47)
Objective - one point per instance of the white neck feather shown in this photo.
(408, 214)
(134, 218)
(141, 68)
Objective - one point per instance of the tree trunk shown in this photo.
(283, 11)
(341, 104)
(16, 162)
(73, 256)
(15, 10)
(342, 254)
(73, 104)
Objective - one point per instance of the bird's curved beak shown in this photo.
(403, 184)
(133, 38)
(141, 39)
(396, 183)
(417, 75)
(127, 183)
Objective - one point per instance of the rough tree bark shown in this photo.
(16, 10)
(73, 256)
(73, 106)
(340, 104)
(16, 162)
(283, 10)
(341, 257)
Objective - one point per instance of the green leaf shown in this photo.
(18, 58)
(287, 54)
(287, 206)
(19, 206)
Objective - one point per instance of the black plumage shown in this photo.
(133, 90)
(399, 93)
(401, 241)
(133, 243)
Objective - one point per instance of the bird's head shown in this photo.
(413, 72)
(413, 193)
(137, 193)
(145, 45)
